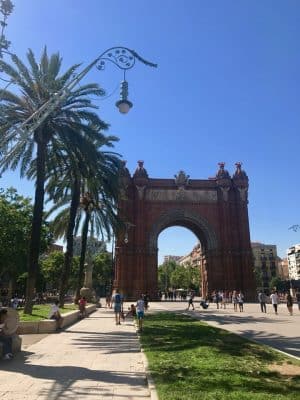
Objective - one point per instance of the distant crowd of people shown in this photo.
(237, 298)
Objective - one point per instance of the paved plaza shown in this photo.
(96, 359)
(93, 359)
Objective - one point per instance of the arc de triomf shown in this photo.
(214, 209)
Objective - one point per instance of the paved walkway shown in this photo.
(93, 359)
(96, 359)
(280, 331)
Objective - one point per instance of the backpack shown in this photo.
(117, 298)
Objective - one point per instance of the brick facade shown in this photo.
(215, 210)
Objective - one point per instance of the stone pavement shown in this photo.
(281, 331)
(93, 359)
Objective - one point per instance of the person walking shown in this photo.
(274, 300)
(298, 299)
(262, 298)
(234, 300)
(240, 299)
(140, 312)
(190, 302)
(289, 303)
(117, 301)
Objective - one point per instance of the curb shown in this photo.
(150, 381)
(151, 385)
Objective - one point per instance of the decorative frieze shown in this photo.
(196, 196)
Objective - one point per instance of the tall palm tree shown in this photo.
(98, 215)
(64, 190)
(70, 123)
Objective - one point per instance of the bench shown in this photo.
(49, 325)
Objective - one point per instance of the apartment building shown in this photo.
(193, 258)
(293, 257)
(265, 261)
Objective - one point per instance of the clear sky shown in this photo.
(226, 89)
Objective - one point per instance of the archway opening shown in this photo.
(179, 263)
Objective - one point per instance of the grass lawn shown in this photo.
(41, 311)
(191, 360)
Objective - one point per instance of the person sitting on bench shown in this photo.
(5, 339)
(55, 314)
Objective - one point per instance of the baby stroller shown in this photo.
(203, 304)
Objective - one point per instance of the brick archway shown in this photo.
(215, 210)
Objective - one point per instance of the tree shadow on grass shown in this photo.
(185, 352)
(170, 332)
(231, 383)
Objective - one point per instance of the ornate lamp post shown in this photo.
(121, 57)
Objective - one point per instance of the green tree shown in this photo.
(64, 131)
(15, 225)
(164, 274)
(103, 270)
(277, 283)
(179, 277)
(15, 217)
(51, 268)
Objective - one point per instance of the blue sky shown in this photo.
(226, 89)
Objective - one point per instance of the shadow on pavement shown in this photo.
(70, 381)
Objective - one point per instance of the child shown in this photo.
(132, 311)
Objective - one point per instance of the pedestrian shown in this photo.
(82, 307)
(190, 302)
(234, 300)
(146, 299)
(118, 305)
(223, 299)
(140, 312)
(274, 299)
(262, 298)
(240, 299)
(5, 338)
(55, 314)
(298, 299)
(131, 311)
(289, 303)
(108, 301)
(14, 302)
(217, 299)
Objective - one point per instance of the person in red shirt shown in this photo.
(82, 305)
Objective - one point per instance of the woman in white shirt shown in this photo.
(274, 299)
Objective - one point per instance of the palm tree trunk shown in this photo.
(82, 255)
(70, 240)
(37, 218)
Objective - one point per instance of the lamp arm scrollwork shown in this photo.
(122, 57)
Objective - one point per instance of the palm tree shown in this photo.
(98, 215)
(65, 188)
(70, 123)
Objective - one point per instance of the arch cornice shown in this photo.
(199, 225)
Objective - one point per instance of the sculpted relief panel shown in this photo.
(196, 196)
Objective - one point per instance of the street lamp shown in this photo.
(122, 57)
